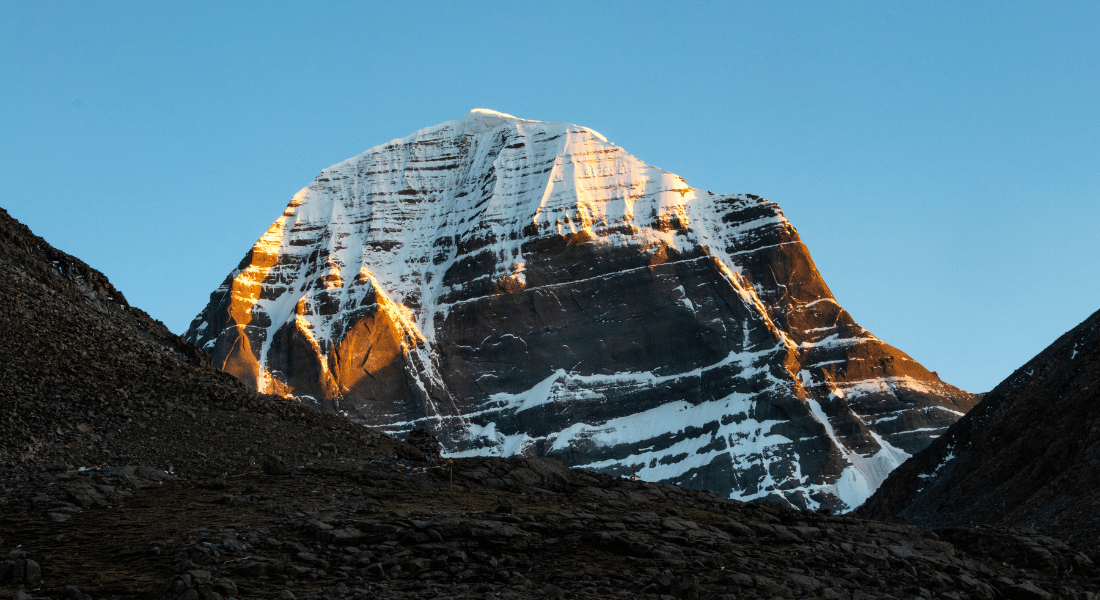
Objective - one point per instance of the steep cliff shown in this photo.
(521, 287)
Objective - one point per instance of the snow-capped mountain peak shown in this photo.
(527, 287)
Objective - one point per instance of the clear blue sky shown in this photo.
(940, 159)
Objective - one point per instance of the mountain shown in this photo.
(1028, 455)
(528, 288)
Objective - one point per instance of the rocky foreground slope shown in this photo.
(131, 469)
(1028, 455)
(88, 380)
(380, 527)
(522, 288)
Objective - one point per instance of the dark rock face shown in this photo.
(1028, 455)
(527, 288)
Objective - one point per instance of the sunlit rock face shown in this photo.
(521, 287)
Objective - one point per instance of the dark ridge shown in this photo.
(90, 380)
(1028, 455)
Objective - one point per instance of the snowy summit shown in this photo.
(522, 287)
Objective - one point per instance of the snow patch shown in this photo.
(858, 481)
(946, 459)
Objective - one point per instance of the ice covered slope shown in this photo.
(527, 287)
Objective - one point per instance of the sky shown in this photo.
(940, 160)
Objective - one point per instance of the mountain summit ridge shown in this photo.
(522, 287)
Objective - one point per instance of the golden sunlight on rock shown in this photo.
(371, 358)
(241, 362)
(332, 279)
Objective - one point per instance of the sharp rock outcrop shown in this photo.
(521, 287)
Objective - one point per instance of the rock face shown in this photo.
(1028, 455)
(520, 287)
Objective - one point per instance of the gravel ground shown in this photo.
(386, 527)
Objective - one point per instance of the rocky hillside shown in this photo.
(528, 288)
(89, 380)
(1028, 455)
